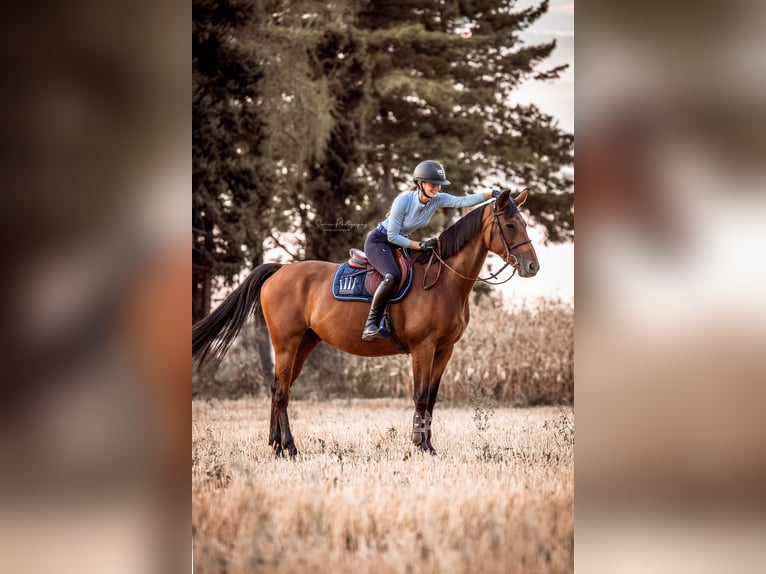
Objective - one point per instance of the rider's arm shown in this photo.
(448, 200)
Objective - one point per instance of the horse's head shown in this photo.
(507, 236)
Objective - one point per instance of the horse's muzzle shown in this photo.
(528, 267)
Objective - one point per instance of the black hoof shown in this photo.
(280, 451)
(277, 445)
(426, 448)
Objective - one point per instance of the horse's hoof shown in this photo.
(426, 448)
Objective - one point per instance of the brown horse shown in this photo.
(300, 311)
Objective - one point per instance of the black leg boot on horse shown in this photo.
(421, 432)
(382, 295)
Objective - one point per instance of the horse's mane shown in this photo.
(454, 238)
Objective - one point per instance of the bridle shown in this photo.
(508, 254)
(508, 249)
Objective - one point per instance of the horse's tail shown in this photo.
(213, 335)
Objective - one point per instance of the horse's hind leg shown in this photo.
(275, 431)
(288, 363)
(280, 436)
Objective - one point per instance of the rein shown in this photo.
(508, 255)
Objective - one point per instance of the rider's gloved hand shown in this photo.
(496, 193)
(428, 245)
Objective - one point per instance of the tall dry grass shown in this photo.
(524, 357)
(359, 498)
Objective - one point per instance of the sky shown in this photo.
(556, 277)
(553, 97)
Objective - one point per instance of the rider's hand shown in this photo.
(495, 193)
(428, 245)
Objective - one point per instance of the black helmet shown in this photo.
(430, 171)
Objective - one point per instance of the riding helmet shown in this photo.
(430, 171)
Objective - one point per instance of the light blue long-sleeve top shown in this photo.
(408, 213)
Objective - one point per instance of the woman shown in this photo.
(411, 210)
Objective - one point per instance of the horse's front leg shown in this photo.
(422, 362)
(421, 431)
(441, 358)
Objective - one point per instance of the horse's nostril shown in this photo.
(532, 266)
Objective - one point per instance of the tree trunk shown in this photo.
(201, 287)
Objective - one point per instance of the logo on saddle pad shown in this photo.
(347, 285)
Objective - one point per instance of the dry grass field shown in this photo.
(359, 497)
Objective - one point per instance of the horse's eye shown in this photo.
(509, 226)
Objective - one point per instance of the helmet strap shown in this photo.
(423, 191)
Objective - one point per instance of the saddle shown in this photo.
(358, 260)
(357, 280)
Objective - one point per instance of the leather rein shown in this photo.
(487, 280)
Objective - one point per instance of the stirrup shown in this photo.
(384, 327)
(382, 331)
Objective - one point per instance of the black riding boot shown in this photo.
(379, 300)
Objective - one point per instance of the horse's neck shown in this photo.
(468, 262)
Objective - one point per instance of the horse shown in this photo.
(300, 311)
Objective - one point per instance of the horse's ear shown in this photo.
(502, 201)
(522, 197)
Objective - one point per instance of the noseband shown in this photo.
(508, 255)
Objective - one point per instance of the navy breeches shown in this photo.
(378, 251)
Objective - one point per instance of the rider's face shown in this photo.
(431, 189)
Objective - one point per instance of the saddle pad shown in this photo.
(348, 285)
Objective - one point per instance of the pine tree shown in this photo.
(231, 180)
(334, 188)
(442, 76)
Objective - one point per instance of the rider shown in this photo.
(411, 210)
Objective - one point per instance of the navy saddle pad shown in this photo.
(348, 285)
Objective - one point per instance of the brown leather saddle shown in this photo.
(358, 260)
